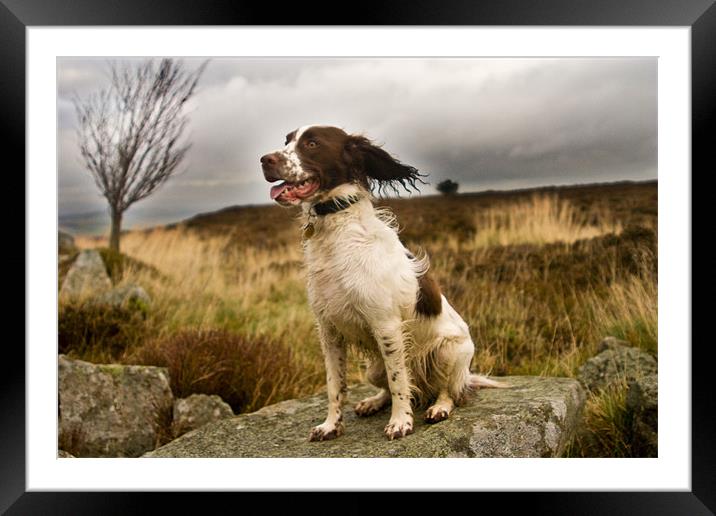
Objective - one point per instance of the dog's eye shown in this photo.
(311, 144)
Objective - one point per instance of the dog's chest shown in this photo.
(350, 270)
(336, 272)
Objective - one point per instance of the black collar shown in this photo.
(335, 204)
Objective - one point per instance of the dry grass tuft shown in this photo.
(631, 313)
(540, 220)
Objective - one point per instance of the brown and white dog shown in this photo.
(365, 288)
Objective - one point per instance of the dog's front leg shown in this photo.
(334, 352)
(389, 336)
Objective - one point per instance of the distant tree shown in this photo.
(130, 134)
(447, 187)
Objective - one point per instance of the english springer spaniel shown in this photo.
(365, 288)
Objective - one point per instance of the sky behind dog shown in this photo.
(496, 124)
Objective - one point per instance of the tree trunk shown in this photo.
(116, 228)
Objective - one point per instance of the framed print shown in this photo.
(553, 152)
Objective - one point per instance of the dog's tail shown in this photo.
(475, 381)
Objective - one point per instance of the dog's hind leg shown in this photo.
(441, 409)
(450, 377)
(378, 377)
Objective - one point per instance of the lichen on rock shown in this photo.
(110, 410)
(197, 410)
(533, 418)
(615, 362)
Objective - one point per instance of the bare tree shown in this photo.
(130, 134)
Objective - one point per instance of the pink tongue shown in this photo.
(276, 190)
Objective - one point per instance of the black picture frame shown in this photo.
(699, 15)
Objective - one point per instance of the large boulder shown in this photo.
(87, 276)
(109, 410)
(643, 404)
(534, 418)
(616, 361)
(196, 411)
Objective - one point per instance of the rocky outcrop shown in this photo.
(196, 411)
(87, 276)
(112, 410)
(87, 280)
(534, 418)
(618, 366)
(616, 361)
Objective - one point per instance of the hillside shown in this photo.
(423, 217)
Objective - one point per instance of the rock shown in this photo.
(109, 410)
(62, 454)
(65, 243)
(616, 361)
(642, 403)
(128, 295)
(87, 276)
(197, 410)
(533, 418)
(611, 343)
(65, 259)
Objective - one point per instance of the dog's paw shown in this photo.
(326, 432)
(435, 414)
(398, 429)
(369, 406)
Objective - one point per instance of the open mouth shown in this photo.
(293, 193)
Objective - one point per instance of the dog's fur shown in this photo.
(365, 288)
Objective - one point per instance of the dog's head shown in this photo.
(317, 159)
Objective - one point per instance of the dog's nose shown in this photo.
(269, 160)
(269, 164)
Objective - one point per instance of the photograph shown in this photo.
(441, 253)
(357, 257)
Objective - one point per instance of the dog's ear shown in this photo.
(371, 164)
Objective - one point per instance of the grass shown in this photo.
(607, 425)
(540, 277)
(540, 220)
(117, 263)
(100, 334)
(632, 313)
(242, 371)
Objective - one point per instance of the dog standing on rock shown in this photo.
(365, 288)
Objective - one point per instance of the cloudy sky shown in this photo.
(486, 123)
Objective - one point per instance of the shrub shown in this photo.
(99, 333)
(447, 187)
(246, 373)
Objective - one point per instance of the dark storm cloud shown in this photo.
(486, 123)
